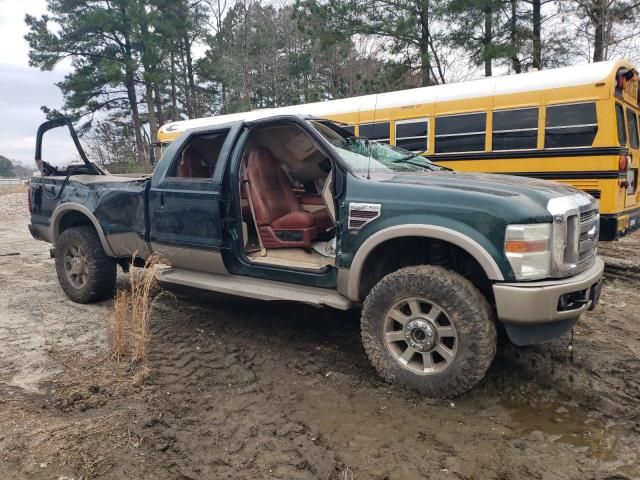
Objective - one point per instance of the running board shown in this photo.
(254, 288)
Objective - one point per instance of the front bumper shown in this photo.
(540, 302)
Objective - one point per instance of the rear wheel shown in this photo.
(84, 270)
(429, 329)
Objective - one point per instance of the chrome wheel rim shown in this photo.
(420, 336)
(75, 266)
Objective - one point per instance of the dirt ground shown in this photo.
(242, 389)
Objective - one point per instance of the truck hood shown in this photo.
(488, 184)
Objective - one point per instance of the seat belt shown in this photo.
(246, 183)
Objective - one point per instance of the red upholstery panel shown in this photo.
(293, 221)
(270, 240)
(270, 189)
(192, 166)
(312, 199)
(322, 220)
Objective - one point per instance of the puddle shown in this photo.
(562, 422)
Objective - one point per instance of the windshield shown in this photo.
(366, 158)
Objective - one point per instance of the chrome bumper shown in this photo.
(538, 302)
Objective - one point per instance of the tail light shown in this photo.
(624, 162)
(29, 204)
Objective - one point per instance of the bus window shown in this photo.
(375, 131)
(349, 128)
(515, 129)
(572, 125)
(632, 125)
(622, 131)
(461, 133)
(412, 134)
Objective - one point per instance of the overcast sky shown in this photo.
(24, 89)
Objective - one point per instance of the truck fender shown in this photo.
(59, 212)
(465, 242)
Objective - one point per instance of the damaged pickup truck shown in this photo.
(296, 208)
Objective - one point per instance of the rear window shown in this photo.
(632, 126)
(622, 130)
(572, 125)
(461, 133)
(515, 129)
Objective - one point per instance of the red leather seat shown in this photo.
(281, 221)
(193, 165)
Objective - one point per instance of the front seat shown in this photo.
(278, 214)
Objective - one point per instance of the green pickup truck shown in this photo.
(295, 208)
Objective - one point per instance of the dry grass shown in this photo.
(344, 473)
(7, 189)
(128, 321)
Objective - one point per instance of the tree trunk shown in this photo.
(135, 116)
(174, 93)
(153, 123)
(190, 77)
(130, 85)
(425, 59)
(185, 83)
(158, 101)
(488, 38)
(513, 38)
(598, 14)
(537, 35)
(437, 61)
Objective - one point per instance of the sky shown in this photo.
(23, 90)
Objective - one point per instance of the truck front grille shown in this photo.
(588, 238)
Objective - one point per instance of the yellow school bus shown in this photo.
(575, 125)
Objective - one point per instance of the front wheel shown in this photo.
(429, 329)
(84, 270)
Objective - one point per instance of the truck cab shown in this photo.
(290, 207)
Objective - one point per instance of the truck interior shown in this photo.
(288, 214)
(198, 159)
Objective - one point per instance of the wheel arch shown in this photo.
(387, 236)
(72, 215)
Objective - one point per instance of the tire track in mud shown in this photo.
(621, 258)
(215, 416)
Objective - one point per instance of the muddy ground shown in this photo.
(242, 389)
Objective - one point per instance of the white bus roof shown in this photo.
(526, 82)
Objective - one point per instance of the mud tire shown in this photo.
(468, 311)
(101, 269)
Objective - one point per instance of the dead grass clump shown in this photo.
(128, 321)
(7, 189)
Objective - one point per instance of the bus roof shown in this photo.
(526, 82)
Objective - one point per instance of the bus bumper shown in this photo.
(533, 312)
(619, 225)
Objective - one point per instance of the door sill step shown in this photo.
(257, 288)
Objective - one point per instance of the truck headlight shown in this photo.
(529, 250)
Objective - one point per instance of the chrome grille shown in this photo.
(588, 238)
(586, 217)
